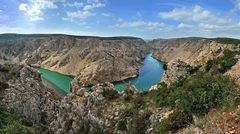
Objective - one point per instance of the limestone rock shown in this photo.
(27, 96)
(193, 51)
(176, 70)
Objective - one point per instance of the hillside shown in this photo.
(194, 51)
(86, 58)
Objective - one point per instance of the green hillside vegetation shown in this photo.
(227, 40)
(12, 124)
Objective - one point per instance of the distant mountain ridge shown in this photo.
(192, 50)
(14, 36)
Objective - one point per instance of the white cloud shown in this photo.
(84, 10)
(237, 4)
(79, 14)
(23, 7)
(1, 10)
(34, 8)
(75, 4)
(193, 14)
(93, 6)
(183, 25)
(200, 18)
(141, 25)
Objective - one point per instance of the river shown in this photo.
(149, 74)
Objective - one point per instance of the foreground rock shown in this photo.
(83, 112)
(26, 96)
(91, 59)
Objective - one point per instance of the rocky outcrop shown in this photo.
(194, 51)
(26, 96)
(176, 70)
(88, 112)
(91, 60)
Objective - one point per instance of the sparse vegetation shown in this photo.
(165, 66)
(224, 62)
(227, 40)
(12, 124)
(110, 94)
(175, 121)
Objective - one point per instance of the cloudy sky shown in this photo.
(143, 18)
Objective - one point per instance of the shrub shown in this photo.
(196, 94)
(227, 60)
(26, 122)
(110, 94)
(177, 120)
(12, 124)
(165, 66)
(138, 102)
(15, 128)
(3, 85)
(41, 129)
(132, 122)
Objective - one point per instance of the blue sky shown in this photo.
(142, 18)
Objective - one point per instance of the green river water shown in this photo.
(150, 74)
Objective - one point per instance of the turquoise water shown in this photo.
(59, 80)
(150, 74)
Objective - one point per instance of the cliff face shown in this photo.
(90, 59)
(176, 70)
(194, 51)
(25, 95)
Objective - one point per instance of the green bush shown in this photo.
(110, 94)
(138, 102)
(177, 120)
(12, 124)
(197, 94)
(15, 128)
(222, 63)
(132, 122)
(165, 66)
(26, 122)
(3, 85)
(228, 60)
(41, 129)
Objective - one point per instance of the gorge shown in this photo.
(80, 61)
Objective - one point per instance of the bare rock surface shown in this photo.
(26, 96)
(194, 51)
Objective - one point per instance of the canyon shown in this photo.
(85, 58)
(97, 61)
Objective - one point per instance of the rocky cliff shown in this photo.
(194, 51)
(91, 59)
(25, 95)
